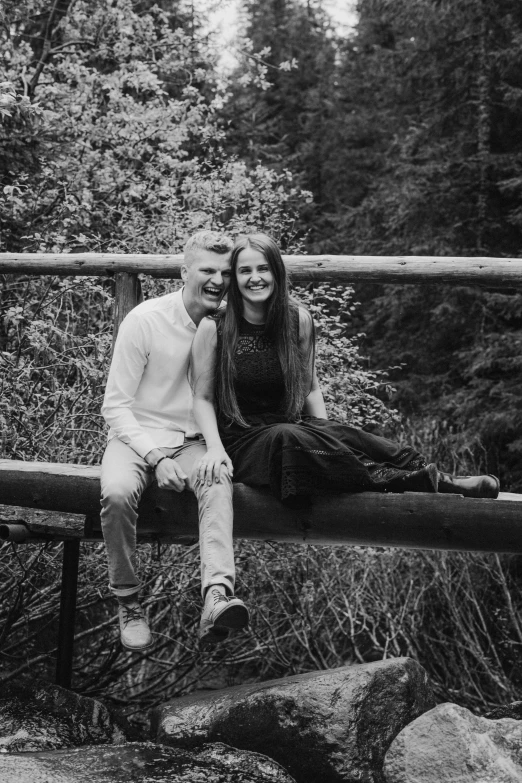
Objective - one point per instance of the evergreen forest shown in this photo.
(121, 130)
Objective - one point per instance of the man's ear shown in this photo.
(184, 272)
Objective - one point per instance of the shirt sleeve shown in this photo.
(127, 367)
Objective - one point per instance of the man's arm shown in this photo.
(127, 367)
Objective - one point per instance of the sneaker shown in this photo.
(221, 614)
(134, 630)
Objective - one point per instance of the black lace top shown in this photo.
(259, 384)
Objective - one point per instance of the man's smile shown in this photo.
(213, 291)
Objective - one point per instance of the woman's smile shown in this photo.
(254, 276)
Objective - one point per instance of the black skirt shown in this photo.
(314, 457)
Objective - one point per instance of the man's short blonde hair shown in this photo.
(206, 240)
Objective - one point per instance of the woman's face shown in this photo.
(254, 276)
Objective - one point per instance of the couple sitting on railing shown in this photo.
(198, 393)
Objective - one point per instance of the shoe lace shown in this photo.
(218, 596)
(132, 613)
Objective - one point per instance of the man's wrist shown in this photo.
(153, 458)
(158, 462)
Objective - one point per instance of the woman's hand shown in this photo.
(212, 464)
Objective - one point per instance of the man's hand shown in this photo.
(169, 475)
(212, 466)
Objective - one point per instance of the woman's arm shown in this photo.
(314, 401)
(203, 362)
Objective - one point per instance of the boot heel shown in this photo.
(469, 486)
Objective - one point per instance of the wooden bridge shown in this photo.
(60, 502)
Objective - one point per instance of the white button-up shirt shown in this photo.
(148, 398)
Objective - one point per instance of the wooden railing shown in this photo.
(43, 501)
(483, 271)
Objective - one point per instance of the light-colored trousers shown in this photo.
(124, 477)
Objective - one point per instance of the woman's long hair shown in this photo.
(281, 327)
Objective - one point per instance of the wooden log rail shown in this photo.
(341, 269)
(58, 501)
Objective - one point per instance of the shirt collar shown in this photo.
(185, 317)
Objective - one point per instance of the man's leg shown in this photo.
(222, 610)
(124, 477)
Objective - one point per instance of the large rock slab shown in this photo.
(451, 745)
(48, 717)
(324, 726)
(141, 763)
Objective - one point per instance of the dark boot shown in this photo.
(469, 486)
(423, 480)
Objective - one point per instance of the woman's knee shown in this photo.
(216, 488)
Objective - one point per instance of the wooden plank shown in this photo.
(44, 523)
(344, 269)
(412, 520)
(53, 486)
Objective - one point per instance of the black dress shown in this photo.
(310, 457)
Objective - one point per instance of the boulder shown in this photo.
(324, 726)
(141, 762)
(451, 745)
(48, 717)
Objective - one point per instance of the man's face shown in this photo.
(206, 278)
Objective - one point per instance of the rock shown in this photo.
(141, 762)
(513, 710)
(49, 717)
(324, 726)
(451, 745)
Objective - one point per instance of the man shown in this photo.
(153, 436)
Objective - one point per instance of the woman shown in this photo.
(260, 408)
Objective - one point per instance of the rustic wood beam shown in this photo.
(42, 524)
(412, 520)
(344, 269)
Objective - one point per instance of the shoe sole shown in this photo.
(136, 649)
(232, 617)
(212, 637)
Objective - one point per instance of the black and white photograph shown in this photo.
(260, 391)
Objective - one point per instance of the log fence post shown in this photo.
(69, 589)
(127, 295)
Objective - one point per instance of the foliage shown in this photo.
(287, 125)
(353, 393)
(316, 608)
(127, 148)
(442, 191)
(55, 337)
